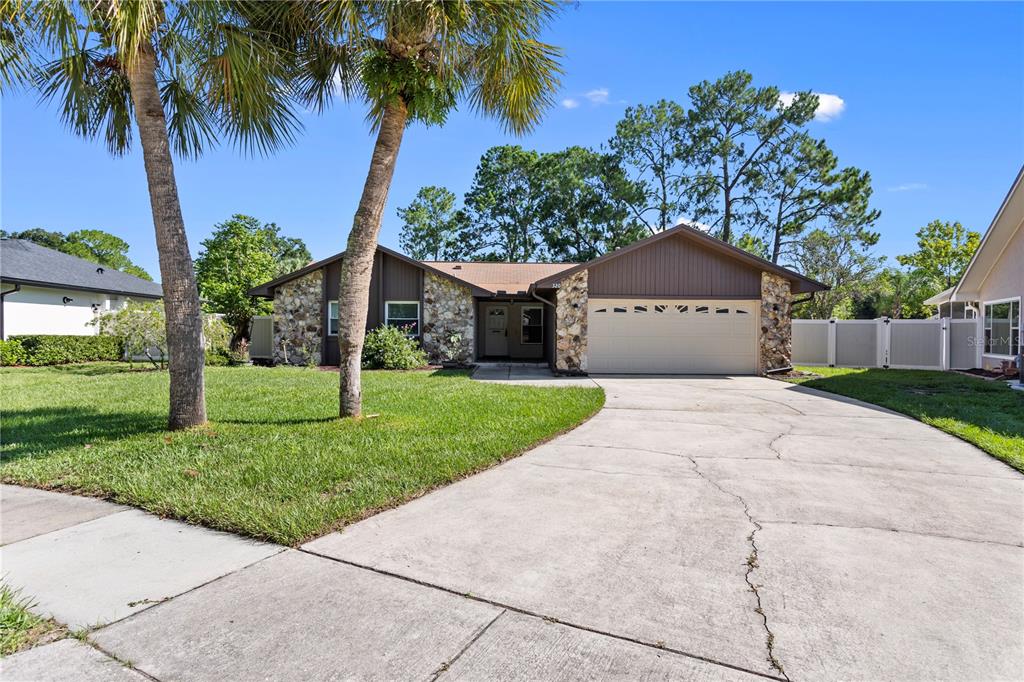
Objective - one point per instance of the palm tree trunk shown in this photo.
(181, 297)
(357, 265)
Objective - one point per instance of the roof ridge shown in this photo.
(27, 262)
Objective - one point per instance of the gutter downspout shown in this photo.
(541, 298)
(17, 288)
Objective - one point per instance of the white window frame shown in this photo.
(522, 326)
(986, 329)
(387, 318)
(336, 316)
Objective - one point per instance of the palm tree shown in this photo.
(414, 61)
(183, 71)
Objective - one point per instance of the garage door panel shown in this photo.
(672, 336)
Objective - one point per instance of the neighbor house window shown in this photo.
(332, 318)
(533, 324)
(404, 315)
(1002, 327)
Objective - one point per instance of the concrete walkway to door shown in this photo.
(696, 528)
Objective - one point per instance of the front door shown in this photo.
(496, 335)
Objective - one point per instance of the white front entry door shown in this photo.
(496, 333)
(649, 336)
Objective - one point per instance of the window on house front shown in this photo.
(332, 318)
(533, 324)
(404, 315)
(1002, 327)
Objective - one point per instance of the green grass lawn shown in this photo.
(274, 462)
(985, 413)
(19, 627)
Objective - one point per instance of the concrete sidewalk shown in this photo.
(167, 601)
(88, 563)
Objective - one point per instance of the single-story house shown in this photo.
(43, 291)
(992, 287)
(680, 301)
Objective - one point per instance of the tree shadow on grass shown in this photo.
(45, 430)
(282, 421)
(96, 370)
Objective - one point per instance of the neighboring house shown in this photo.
(678, 302)
(992, 287)
(43, 291)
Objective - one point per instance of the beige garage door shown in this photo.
(643, 336)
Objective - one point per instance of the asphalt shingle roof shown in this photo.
(25, 262)
(511, 278)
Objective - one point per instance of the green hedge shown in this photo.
(52, 349)
(12, 353)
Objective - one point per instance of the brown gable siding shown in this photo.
(392, 280)
(402, 281)
(675, 267)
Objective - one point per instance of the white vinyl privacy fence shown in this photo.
(898, 344)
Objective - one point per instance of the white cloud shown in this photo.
(908, 187)
(570, 103)
(598, 96)
(829, 106)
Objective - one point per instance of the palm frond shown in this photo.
(113, 110)
(325, 71)
(246, 80)
(17, 45)
(128, 25)
(71, 82)
(514, 75)
(191, 125)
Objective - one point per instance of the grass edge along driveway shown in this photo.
(274, 463)
(986, 414)
(21, 629)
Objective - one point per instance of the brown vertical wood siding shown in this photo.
(675, 266)
(392, 280)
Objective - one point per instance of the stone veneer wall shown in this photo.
(776, 323)
(448, 309)
(298, 324)
(571, 325)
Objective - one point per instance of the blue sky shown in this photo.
(932, 105)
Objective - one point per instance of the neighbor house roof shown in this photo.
(497, 278)
(1007, 221)
(940, 298)
(801, 284)
(28, 263)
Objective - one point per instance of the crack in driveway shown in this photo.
(597, 471)
(881, 529)
(771, 444)
(752, 564)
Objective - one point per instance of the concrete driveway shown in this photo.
(696, 528)
(743, 521)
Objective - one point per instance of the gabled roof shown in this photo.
(500, 278)
(800, 283)
(25, 262)
(267, 290)
(1005, 224)
(489, 278)
(940, 298)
